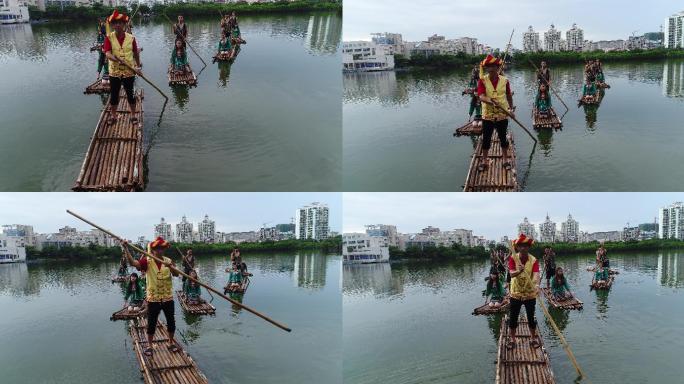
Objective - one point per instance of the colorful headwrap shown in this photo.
(491, 60)
(523, 240)
(159, 242)
(116, 16)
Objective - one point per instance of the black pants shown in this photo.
(115, 83)
(488, 127)
(606, 263)
(186, 269)
(515, 312)
(153, 309)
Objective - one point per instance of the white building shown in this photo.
(671, 221)
(70, 237)
(11, 251)
(552, 40)
(570, 230)
(547, 231)
(456, 236)
(312, 222)
(393, 42)
(184, 231)
(387, 231)
(630, 233)
(531, 40)
(674, 36)
(23, 233)
(527, 229)
(14, 11)
(163, 229)
(206, 230)
(575, 38)
(366, 56)
(269, 234)
(359, 248)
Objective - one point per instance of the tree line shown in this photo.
(580, 57)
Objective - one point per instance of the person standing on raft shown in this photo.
(159, 290)
(494, 89)
(122, 51)
(544, 74)
(180, 29)
(524, 270)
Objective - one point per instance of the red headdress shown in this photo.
(491, 60)
(523, 240)
(116, 16)
(159, 242)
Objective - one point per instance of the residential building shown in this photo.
(360, 248)
(671, 221)
(570, 230)
(393, 42)
(269, 234)
(547, 231)
(239, 237)
(206, 230)
(366, 56)
(531, 40)
(430, 231)
(23, 233)
(527, 229)
(184, 231)
(609, 45)
(312, 222)
(420, 240)
(630, 233)
(456, 236)
(163, 229)
(674, 34)
(382, 230)
(575, 38)
(552, 40)
(70, 237)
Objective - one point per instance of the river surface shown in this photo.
(412, 323)
(269, 122)
(398, 131)
(55, 325)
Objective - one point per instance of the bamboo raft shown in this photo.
(487, 310)
(494, 178)
(182, 78)
(97, 87)
(468, 129)
(164, 366)
(572, 303)
(230, 56)
(522, 364)
(551, 120)
(610, 271)
(606, 286)
(114, 160)
(195, 309)
(126, 314)
(242, 289)
(590, 100)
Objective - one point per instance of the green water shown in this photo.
(269, 122)
(412, 323)
(55, 325)
(398, 131)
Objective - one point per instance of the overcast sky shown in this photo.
(132, 215)
(491, 21)
(494, 215)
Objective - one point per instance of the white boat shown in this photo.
(359, 248)
(366, 56)
(11, 251)
(14, 14)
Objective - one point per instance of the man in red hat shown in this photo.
(495, 94)
(124, 63)
(159, 290)
(524, 270)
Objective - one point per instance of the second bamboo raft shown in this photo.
(203, 308)
(97, 87)
(606, 285)
(182, 78)
(550, 120)
(487, 310)
(494, 178)
(126, 314)
(572, 303)
(468, 129)
(114, 160)
(522, 364)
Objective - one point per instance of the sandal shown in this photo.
(510, 345)
(134, 119)
(173, 348)
(148, 352)
(507, 166)
(534, 343)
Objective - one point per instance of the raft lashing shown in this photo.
(97, 87)
(202, 308)
(494, 178)
(468, 129)
(126, 314)
(242, 289)
(522, 364)
(114, 160)
(549, 120)
(229, 56)
(182, 78)
(487, 310)
(164, 366)
(572, 303)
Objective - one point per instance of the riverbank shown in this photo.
(96, 252)
(55, 12)
(436, 253)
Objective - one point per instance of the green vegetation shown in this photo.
(187, 9)
(437, 253)
(441, 62)
(617, 246)
(580, 57)
(114, 253)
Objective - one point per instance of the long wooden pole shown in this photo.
(209, 288)
(139, 73)
(186, 41)
(503, 62)
(549, 85)
(496, 104)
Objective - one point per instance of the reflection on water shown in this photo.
(309, 271)
(14, 280)
(673, 79)
(669, 271)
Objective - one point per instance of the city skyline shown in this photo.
(493, 217)
(134, 215)
(418, 20)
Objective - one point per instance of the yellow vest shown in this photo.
(490, 112)
(159, 285)
(124, 52)
(522, 286)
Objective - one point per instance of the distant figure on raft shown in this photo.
(192, 289)
(495, 291)
(135, 292)
(179, 59)
(559, 286)
(180, 29)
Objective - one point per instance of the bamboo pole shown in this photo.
(503, 62)
(549, 85)
(209, 288)
(186, 41)
(139, 73)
